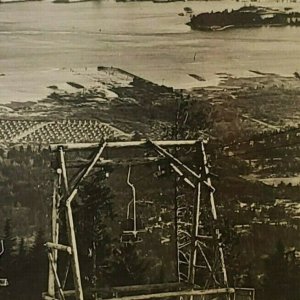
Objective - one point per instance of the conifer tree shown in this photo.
(127, 267)
(93, 238)
(281, 275)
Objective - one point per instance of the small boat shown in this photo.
(220, 28)
(188, 10)
(197, 77)
(165, 1)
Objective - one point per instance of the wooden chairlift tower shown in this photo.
(200, 258)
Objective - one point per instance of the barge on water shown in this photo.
(244, 17)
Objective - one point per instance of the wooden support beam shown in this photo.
(66, 273)
(59, 247)
(72, 241)
(204, 237)
(64, 169)
(174, 159)
(127, 144)
(214, 213)
(70, 222)
(150, 288)
(61, 294)
(82, 174)
(194, 234)
(182, 175)
(51, 279)
(116, 162)
(93, 162)
(205, 258)
(215, 292)
(47, 297)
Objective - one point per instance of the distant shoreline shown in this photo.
(82, 77)
(88, 78)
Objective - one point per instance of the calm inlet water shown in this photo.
(38, 40)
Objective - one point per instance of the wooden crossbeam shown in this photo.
(82, 174)
(222, 291)
(150, 288)
(174, 159)
(182, 175)
(160, 289)
(59, 247)
(126, 144)
(116, 162)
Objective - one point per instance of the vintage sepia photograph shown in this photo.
(149, 149)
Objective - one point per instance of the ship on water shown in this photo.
(166, 1)
(244, 17)
(15, 1)
(70, 1)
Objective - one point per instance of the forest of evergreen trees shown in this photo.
(265, 259)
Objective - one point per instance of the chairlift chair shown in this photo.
(133, 225)
(129, 238)
(161, 171)
(3, 282)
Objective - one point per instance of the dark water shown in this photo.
(39, 39)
